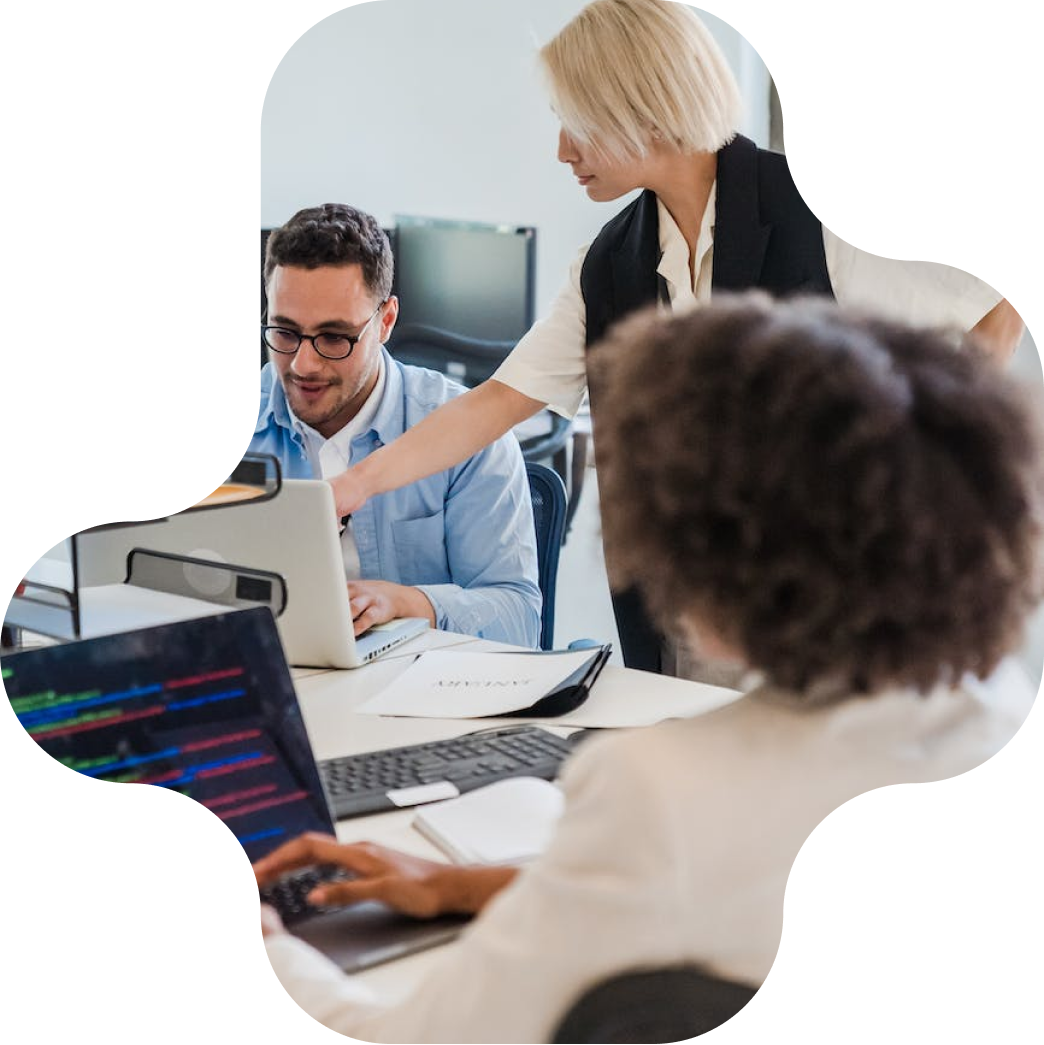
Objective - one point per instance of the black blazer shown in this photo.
(764, 236)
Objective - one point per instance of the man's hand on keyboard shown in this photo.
(418, 887)
(377, 602)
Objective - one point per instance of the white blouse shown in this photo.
(675, 846)
(548, 364)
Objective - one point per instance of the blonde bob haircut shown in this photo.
(625, 72)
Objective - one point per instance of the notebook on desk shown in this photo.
(295, 534)
(205, 707)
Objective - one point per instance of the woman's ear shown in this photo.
(708, 641)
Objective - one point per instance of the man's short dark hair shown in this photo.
(334, 234)
(852, 503)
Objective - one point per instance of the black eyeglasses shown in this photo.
(329, 346)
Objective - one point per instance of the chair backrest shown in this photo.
(470, 361)
(655, 1005)
(549, 514)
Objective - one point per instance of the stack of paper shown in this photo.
(508, 822)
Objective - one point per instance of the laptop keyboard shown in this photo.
(289, 895)
(358, 785)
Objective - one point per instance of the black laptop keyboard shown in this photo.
(289, 895)
(357, 785)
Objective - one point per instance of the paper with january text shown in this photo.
(456, 684)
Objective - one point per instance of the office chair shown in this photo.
(471, 361)
(655, 1005)
(549, 511)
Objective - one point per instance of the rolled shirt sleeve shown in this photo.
(921, 293)
(549, 363)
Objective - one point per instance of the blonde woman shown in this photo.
(646, 101)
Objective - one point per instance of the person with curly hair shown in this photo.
(848, 506)
(839, 497)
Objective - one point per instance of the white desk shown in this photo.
(328, 701)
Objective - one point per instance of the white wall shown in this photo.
(437, 109)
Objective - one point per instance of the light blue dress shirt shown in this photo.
(464, 536)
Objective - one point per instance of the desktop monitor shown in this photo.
(467, 278)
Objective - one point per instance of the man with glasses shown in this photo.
(457, 548)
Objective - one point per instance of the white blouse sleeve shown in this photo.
(922, 293)
(549, 363)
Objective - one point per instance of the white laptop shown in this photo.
(295, 534)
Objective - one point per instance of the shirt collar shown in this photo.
(274, 407)
(343, 437)
(389, 419)
(674, 251)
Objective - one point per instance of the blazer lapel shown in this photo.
(634, 259)
(740, 238)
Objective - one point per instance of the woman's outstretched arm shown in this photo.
(447, 436)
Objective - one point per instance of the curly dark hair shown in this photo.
(852, 503)
(334, 234)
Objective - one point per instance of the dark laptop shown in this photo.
(206, 707)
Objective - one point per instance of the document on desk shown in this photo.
(457, 684)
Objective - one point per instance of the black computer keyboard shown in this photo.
(358, 785)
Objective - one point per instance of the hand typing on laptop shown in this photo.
(377, 602)
(410, 884)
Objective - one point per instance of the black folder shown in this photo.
(571, 692)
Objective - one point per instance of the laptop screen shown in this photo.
(204, 707)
